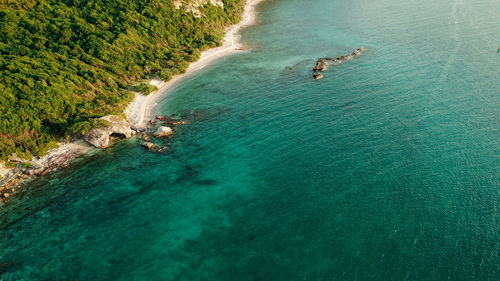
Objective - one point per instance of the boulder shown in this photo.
(146, 137)
(317, 76)
(35, 170)
(180, 122)
(320, 65)
(4, 171)
(106, 126)
(148, 145)
(163, 131)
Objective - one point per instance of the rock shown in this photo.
(163, 131)
(148, 145)
(162, 149)
(15, 158)
(169, 120)
(146, 137)
(321, 64)
(4, 171)
(180, 122)
(136, 129)
(108, 125)
(35, 170)
(317, 76)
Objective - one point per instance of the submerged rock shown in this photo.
(180, 122)
(148, 145)
(146, 137)
(163, 131)
(317, 76)
(321, 64)
(107, 126)
(165, 120)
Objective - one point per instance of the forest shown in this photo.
(65, 63)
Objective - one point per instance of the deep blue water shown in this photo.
(386, 169)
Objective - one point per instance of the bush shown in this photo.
(64, 63)
(144, 88)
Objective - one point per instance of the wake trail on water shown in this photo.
(456, 36)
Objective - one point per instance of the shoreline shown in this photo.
(140, 110)
(53, 160)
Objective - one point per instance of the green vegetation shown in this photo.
(143, 88)
(64, 63)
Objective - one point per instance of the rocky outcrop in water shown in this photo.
(163, 131)
(157, 129)
(108, 126)
(317, 75)
(148, 145)
(322, 63)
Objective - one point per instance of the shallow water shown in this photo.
(386, 169)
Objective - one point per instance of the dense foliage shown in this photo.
(65, 62)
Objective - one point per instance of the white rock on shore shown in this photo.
(4, 170)
(114, 125)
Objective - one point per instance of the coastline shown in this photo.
(53, 160)
(140, 110)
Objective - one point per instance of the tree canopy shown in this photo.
(64, 63)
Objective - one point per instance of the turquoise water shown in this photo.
(386, 169)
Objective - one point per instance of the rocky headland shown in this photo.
(109, 127)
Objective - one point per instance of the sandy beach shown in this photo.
(140, 110)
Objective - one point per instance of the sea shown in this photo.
(388, 168)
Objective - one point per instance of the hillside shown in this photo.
(64, 63)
